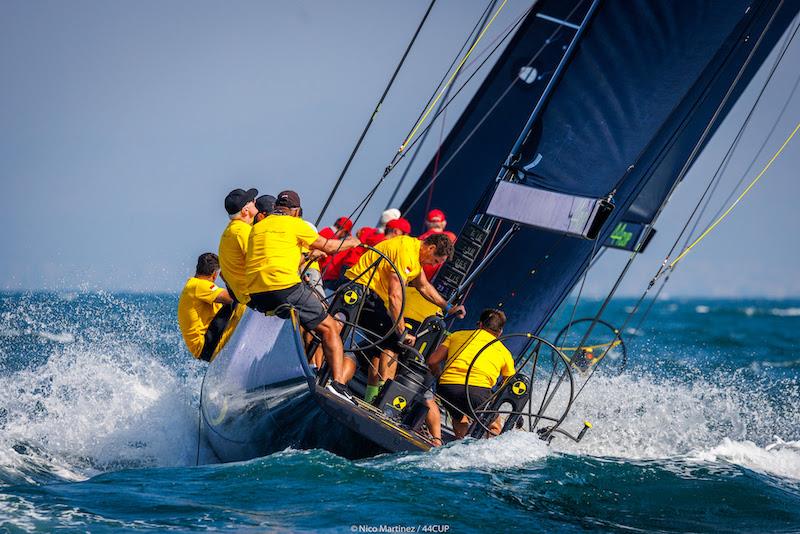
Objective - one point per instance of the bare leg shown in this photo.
(372, 373)
(348, 369)
(460, 427)
(495, 427)
(328, 329)
(388, 365)
(433, 420)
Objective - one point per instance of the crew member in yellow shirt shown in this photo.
(458, 352)
(201, 316)
(274, 254)
(383, 300)
(241, 208)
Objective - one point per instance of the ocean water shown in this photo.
(700, 432)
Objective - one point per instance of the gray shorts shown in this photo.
(314, 281)
(302, 298)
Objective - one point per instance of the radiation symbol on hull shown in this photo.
(351, 297)
(399, 403)
(519, 388)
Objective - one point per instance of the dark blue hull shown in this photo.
(259, 397)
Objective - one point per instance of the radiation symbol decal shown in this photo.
(399, 403)
(351, 297)
(519, 388)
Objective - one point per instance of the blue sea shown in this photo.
(700, 432)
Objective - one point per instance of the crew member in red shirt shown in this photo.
(435, 223)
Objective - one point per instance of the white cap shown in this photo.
(388, 215)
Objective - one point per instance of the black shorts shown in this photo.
(215, 330)
(375, 318)
(302, 298)
(456, 397)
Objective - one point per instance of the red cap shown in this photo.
(400, 224)
(344, 223)
(364, 232)
(436, 216)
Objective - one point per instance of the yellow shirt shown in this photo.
(274, 252)
(463, 346)
(418, 308)
(232, 253)
(403, 251)
(196, 309)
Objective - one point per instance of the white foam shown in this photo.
(702, 309)
(9, 332)
(785, 312)
(512, 449)
(95, 408)
(780, 459)
(640, 417)
(63, 337)
(750, 311)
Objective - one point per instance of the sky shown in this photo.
(123, 125)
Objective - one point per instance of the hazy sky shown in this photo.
(124, 124)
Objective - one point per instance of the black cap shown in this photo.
(265, 204)
(237, 199)
(288, 199)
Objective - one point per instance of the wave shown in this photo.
(785, 312)
(780, 459)
(720, 420)
(97, 402)
(89, 411)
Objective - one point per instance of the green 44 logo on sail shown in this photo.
(620, 237)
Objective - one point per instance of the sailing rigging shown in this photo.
(586, 123)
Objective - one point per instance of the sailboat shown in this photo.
(589, 118)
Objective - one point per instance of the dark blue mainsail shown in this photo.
(635, 100)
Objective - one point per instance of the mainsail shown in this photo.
(646, 85)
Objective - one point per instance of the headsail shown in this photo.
(627, 116)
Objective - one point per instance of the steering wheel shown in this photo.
(613, 353)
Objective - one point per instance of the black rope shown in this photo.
(684, 169)
(726, 161)
(374, 113)
(550, 40)
(481, 22)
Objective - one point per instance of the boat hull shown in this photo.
(259, 396)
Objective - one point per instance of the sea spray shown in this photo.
(98, 401)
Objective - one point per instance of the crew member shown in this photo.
(241, 208)
(383, 300)
(265, 205)
(200, 318)
(458, 352)
(340, 229)
(397, 227)
(417, 308)
(343, 260)
(274, 253)
(435, 223)
(387, 215)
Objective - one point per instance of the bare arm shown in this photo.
(331, 246)
(396, 302)
(435, 360)
(430, 294)
(224, 297)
